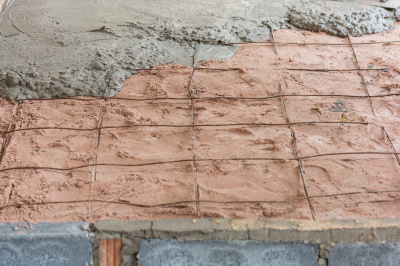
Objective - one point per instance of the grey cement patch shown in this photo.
(385, 254)
(340, 18)
(67, 48)
(174, 252)
(45, 244)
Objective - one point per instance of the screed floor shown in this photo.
(279, 131)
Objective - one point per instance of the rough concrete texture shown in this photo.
(321, 232)
(361, 254)
(153, 131)
(67, 48)
(340, 19)
(174, 252)
(45, 244)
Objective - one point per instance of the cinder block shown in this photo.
(246, 252)
(354, 254)
(45, 244)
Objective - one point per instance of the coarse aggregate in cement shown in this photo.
(174, 252)
(67, 48)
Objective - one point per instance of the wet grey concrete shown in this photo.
(363, 254)
(45, 244)
(71, 47)
(174, 252)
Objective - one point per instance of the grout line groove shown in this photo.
(392, 146)
(196, 188)
(294, 144)
(96, 147)
(360, 71)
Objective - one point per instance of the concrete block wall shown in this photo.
(215, 241)
(289, 235)
(45, 244)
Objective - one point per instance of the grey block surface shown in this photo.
(354, 254)
(45, 244)
(246, 252)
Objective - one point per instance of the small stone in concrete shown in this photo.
(175, 252)
(44, 244)
(321, 262)
(387, 254)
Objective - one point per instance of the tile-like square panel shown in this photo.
(57, 213)
(393, 131)
(249, 180)
(38, 186)
(357, 206)
(50, 148)
(326, 176)
(130, 113)
(378, 55)
(387, 109)
(243, 142)
(144, 144)
(168, 81)
(80, 114)
(318, 57)
(251, 83)
(323, 139)
(223, 111)
(330, 83)
(148, 185)
(383, 82)
(328, 109)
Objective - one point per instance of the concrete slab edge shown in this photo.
(324, 233)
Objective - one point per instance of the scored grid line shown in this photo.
(294, 145)
(96, 149)
(337, 70)
(360, 71)
(392, 146)
(191, 160)
(331, 96)
(196, 187)
(218, 97)
(175, 203)
(183, 125)
(315, 43)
